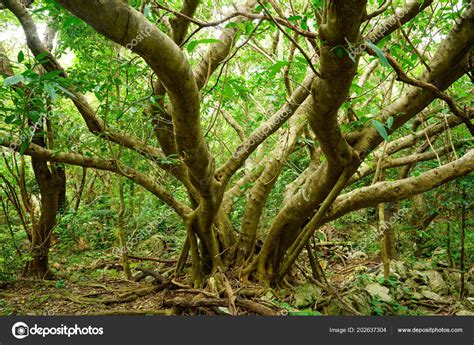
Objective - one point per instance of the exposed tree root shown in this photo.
(175, 298)
(166, 312)
(186, 302)
(160, 279)
(251, 291)
(127, 296)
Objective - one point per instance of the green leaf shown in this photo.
(380, 54)
(41, 56)
(339, 52)
(13, 80)
(380, 129)
(59, 284)
(66, 91)
(193, 44)
(276, 67)
(21, 56)
(294, 18)
(34, 116)
(357, 88)
(50, 91)
(9, 119)
(232, 25)
(70, 21)
(304, 23)
(24, 145)
(52, 74)
(390, 122)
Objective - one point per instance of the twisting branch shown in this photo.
(142, 179)
(180, 24)
(378, 12)
(402, 76)
(410, 159)
(234, 124)
(400, 189)
(202, 24)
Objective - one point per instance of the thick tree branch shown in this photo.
(430, 131)
(234, 124)
(142, 179)
(331, 90)
(180, 24)
(410, 159)
(404, 15)
(401, 189)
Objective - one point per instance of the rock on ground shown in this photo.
(377, 290)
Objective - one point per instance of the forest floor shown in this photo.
(356, 286)
(91, 282)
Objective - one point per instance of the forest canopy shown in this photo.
(240, 148)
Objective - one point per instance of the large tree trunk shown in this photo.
(62, 199)
(50, 187)
(51, 180)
